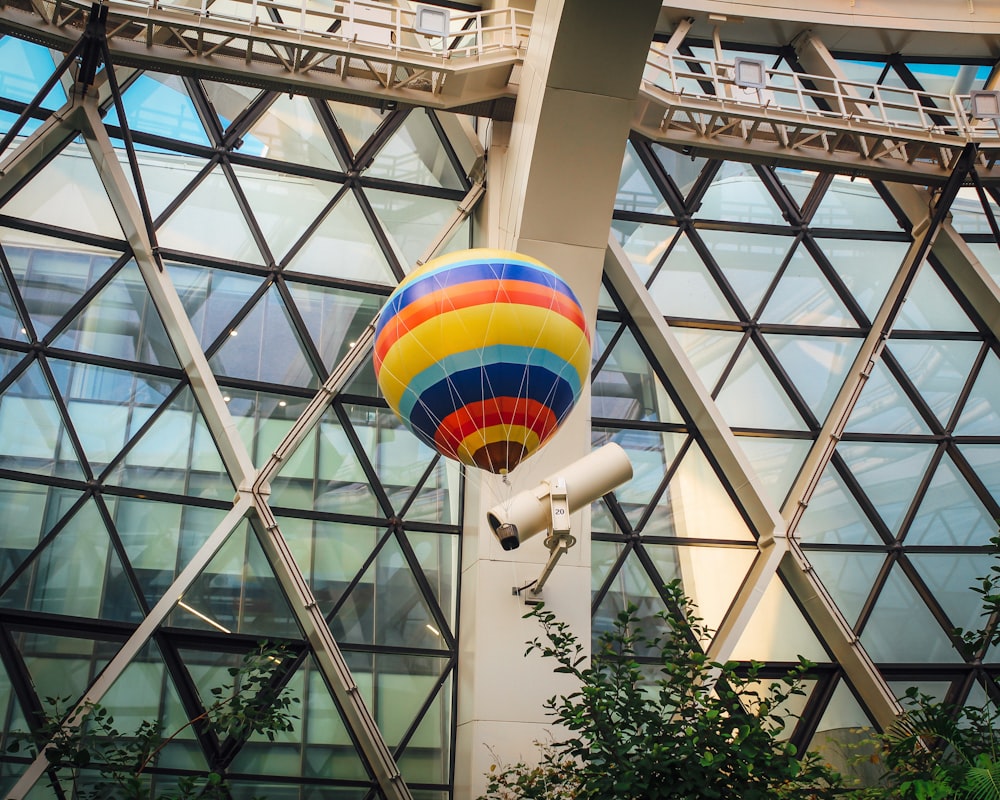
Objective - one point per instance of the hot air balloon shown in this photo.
(482, 354)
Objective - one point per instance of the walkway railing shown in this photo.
(706, 103)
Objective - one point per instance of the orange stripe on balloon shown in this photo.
(510, 411)
(454, 298)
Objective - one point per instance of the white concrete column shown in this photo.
(552, 175)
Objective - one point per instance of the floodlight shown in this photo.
(751, 73)
(985, 105)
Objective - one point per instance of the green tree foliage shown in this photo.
(685, 728)
(94, 760)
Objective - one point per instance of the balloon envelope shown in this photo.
(482, 353)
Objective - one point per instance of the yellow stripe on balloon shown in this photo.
(525, 326)
(495, 433)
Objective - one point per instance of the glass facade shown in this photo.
(282, 221)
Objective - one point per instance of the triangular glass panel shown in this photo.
(333, 481)
(262, 419)
(237, 592)
(631, 585)
(363, 382)
(889, 473)
(176, 454)
(34, 438)
(626, 388)
(603, 557)
(165, 175)
(55, 583)
(988, 254)
(968, 214)
(284, 206)
(335, 318)
(604, 332)
(357, 123)
(936, 689)
(816, 365)
(100, 401)
(403, 683)
(804, 296)
(209, 222)
(63, 666)
(427, 757)
(437, 554)
(930, 306)
(883, 407)
(711, 576)
(853, 204)
(437, 500)
(683, 169)
(833, 516)
(160, 104)
(709, 351)
(415, 154)
(318, 746)
(848, 576)
(749, 261)
(386, 606)
(636, 189)
(901, 628)
(399, 458)
(752, 397)
(867, 268)
(7, 120)
(229, 100)
(411, 221)
(696, 505)
(121, 322)
(67, 193)
(144, 691)
(290, 131)
(329, 747)
(684, 288)
(797, 182)
(344, 246)
(11, 324)
(29, 511)
(981, 412)
(951, 514)
(949, 576)
(985, 460)
(329, 554)
(778, 631)
(844, 733)
(776, 461)
(738, 195)
(51, 279)
(159, 538)
(651, 454)
(211, 297)
(644, 243)
(24, 68)
(264, 346)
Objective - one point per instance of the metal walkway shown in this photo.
(470, 62)
(430, 56)
(811, 121)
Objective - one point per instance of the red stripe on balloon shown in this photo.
(509, 411)
(472, 294)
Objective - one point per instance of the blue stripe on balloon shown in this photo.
(472, 385)
(473, 359)
(453, 275)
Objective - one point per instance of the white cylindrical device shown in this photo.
(530, 512)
